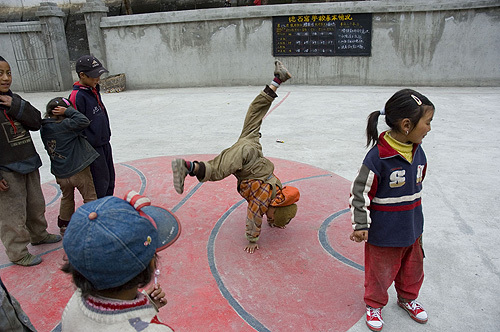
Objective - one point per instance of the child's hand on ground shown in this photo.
(359, 236)
(4, 186)
(251, 247)
(6, 100)
(272, 224)
(157, 295)
(59, 110)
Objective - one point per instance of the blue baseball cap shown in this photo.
(111, 240)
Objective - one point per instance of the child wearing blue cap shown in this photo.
(111, 245)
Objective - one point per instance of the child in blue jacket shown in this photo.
(70, 155)
(86, 98)
(386, 205)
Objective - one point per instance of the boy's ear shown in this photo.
(152, 263)
(80, 74)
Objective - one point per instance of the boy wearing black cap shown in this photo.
(86, 98)
(244, 159)
(111, 244)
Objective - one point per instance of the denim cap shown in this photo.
(111, 240)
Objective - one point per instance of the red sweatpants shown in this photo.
(383, 265)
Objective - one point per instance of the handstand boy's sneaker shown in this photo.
(51, 238)
(281, 72)
(415, 310)
(374, 318)
(179, 172)
(29, 260)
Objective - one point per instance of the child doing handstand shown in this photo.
(256, 182)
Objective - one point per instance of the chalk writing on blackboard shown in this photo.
(322, 35)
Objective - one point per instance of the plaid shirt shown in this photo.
(258, 195)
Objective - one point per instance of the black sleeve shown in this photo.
(24, 112)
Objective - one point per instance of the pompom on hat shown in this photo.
(111, 240)
(286, 209)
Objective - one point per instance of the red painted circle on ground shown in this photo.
(292, 282)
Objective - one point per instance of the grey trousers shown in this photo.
(22, 213)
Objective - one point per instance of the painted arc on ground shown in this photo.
(293, 281)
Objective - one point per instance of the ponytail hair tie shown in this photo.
(382, 111)
(66, 101)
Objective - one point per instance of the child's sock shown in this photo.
(270, 92)
(200, 173)
(276, 81)
(190, 167)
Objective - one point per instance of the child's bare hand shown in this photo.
(59, 110)
(359, 236)
(4, 186)
(6, 100)
(157, 295)
(251, 247)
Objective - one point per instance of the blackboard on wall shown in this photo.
(322, 35)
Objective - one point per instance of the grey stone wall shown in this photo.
(413, 44)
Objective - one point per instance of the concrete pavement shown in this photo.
(323, 126)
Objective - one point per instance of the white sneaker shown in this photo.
(374, 318)
(415, 310)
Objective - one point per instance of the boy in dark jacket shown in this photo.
(86, 98)
(70, 155)
(22, 206)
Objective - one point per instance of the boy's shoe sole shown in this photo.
(374, 328)
(179, 172)
(281, 71)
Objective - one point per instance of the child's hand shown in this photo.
(59, 110)
(6, 100)
(4, 186)
(359, 236)
(251, 247)
(157, 295)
